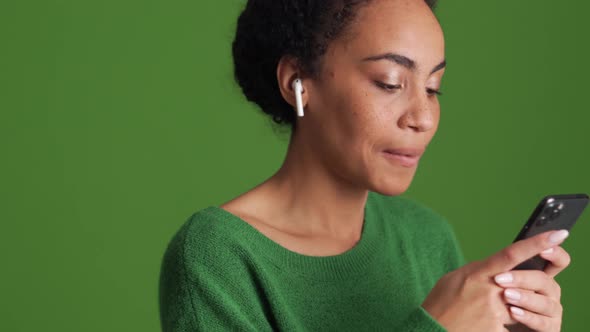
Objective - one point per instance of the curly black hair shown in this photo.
(267, 30)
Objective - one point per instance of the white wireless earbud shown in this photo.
(298, 88)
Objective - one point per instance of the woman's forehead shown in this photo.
(386, 26)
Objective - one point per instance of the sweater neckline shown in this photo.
(340, 266)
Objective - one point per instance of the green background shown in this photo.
(119, 119)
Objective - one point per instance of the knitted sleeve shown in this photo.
(451, 258)
(420, 320)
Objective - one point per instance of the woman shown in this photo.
(326, 243)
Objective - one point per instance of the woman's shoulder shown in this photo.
(203, 236)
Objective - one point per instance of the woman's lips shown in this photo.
(407, 158)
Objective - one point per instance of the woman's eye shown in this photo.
(393, 87)
(433, 92)
(388, 87)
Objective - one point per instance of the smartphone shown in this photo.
(554, 212)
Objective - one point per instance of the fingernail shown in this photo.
(512, 294)
(503, 278)
(547, 251)
(517, 311)
(558, 236)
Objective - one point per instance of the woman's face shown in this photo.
(377, 92)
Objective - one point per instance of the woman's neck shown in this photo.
(308, 196)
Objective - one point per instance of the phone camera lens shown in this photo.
(554, 214)
(542, 220)
(552, 211)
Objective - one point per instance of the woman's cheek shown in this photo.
(381, 121)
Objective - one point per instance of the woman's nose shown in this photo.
(420, 114)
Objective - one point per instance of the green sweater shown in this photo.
(220, 274)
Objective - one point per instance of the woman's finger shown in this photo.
(558, 259)
(534, 280)
(533, 302)
(535, 321)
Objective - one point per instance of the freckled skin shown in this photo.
(351, 120)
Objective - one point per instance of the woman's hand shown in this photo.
(469, 299)
(539, 294)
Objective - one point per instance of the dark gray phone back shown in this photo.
(554, 212)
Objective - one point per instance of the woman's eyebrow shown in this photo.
(403, 60)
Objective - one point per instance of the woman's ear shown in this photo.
(287, 72)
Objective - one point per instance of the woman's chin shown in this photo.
(393, 186)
